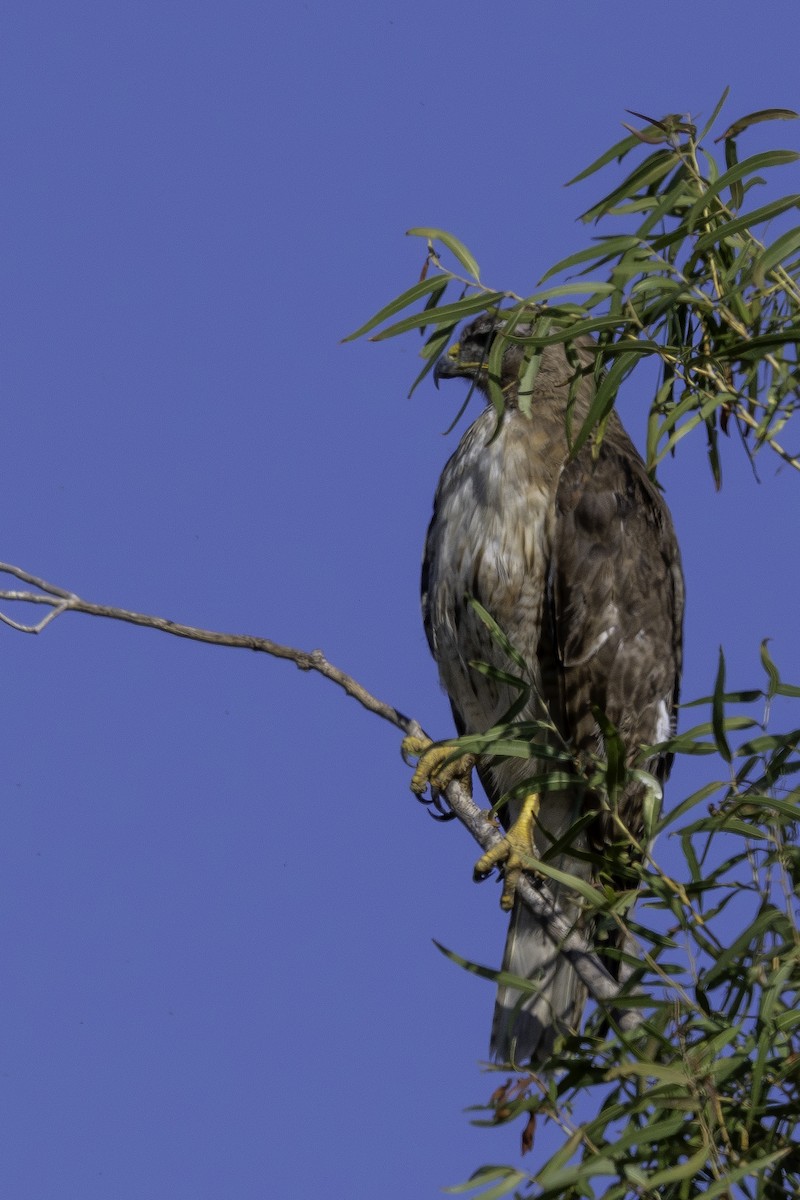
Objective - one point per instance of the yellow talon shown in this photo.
(436, 767)
(515, 851)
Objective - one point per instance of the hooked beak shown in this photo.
(447, 364)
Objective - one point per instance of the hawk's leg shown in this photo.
(436, 766)
(514, 851)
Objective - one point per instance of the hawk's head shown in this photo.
(468, 358)
(471, 357)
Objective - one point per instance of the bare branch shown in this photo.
(61, 601)
(601, 985)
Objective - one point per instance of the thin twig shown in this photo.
(61, 601)
(601, 985)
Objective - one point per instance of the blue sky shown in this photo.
(218, 895)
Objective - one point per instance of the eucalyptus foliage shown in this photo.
(703, 1097)
(683, 279)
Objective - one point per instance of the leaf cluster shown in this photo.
(683, 279)
(704, 1097)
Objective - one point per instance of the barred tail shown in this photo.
(526, 1024)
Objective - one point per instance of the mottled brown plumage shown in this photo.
(577, 562)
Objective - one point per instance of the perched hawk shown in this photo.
(578, 564)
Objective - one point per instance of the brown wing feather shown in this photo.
(616, 594)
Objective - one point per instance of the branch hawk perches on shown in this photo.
(577, 562)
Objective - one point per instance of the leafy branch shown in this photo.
(705, 1098)
(686, 283)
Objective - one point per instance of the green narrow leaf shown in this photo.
(771, 805)
(618, 151)
(753, 347)
(492, 672)
(689, 803)
(643, 348)
(711, 120)
(713, 169)
(770, 158)
(431, 351)
(663, 398)
(448, 312)
(680, 192)
(780, 249)
(508, 1177)
(767, 741)
(579, 287)
(684, 1170)
(718, 711)
(653, 1132)
(714, 460)
(572, 329)
(731, 153)
(763, 921)
(723, 1187)
(615, 752)
(663, 1072)
(425, 288)
(494, 364)
(497, 634)
(531, 362)
(755, 118)
(494, 368)
(456, 248)
(766, 1039)
(494, 976)
(731, 159)
(661, 285)
(654, 167)
(436, 342)
(771, 669)
(594, 897)
(602, 249)
(498, 747)
(728, 228)
(697, 416)
(603, 400)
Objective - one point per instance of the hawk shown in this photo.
(576, 560)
